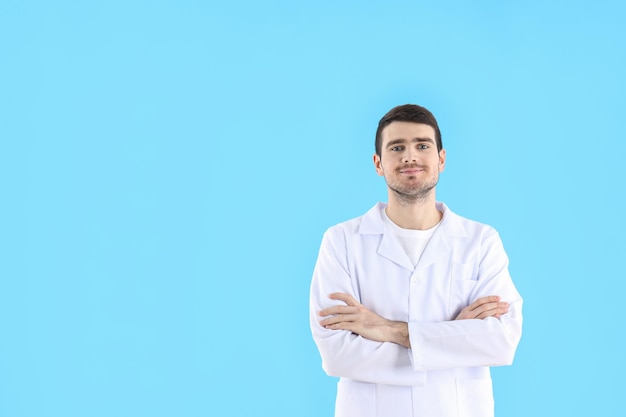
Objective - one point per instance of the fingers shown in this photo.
(346, 298)
(334, 320)
(489, 309)
(340, 317)
(338, 310)
(341, 309)
(492, 310)
(484, 300)
(484, 307)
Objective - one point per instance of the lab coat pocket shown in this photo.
(475, 398)
(463, 283)
(355, 399)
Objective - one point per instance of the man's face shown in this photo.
(409, 160)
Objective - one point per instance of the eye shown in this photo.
(423, 146)
(397, 148)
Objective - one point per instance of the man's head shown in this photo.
(409, 153)
(407, 113)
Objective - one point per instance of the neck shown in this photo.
(421, 214)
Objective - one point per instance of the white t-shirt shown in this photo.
(412, 241)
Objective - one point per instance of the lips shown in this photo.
(411, 170)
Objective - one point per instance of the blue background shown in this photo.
(167, 170)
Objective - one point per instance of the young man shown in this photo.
(411, 303)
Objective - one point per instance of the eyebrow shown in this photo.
(394, 142)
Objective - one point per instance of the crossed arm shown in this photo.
(356, 318)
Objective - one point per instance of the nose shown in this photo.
(409, 156)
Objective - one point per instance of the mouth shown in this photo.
(411, 171)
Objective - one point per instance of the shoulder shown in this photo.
(471, 236)
(367, 223)
(462, 225)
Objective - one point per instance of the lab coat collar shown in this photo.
(451, 227)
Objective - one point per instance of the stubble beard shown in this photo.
(413, 194)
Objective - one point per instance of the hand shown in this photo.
(356, 318)
(484, 307)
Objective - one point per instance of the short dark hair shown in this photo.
(407, 113)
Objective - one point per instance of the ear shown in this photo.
(442, 160)
(378, 165)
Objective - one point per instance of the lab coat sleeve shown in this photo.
(345, 354)
(468, 343)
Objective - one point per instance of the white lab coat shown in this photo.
(446, 371)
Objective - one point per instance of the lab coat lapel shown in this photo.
(389, 248)
(439, 249)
